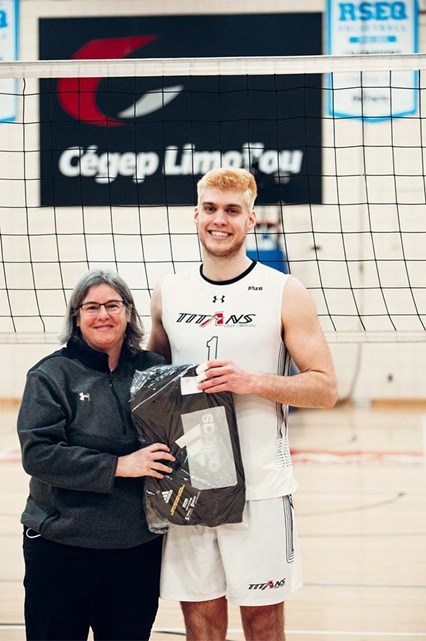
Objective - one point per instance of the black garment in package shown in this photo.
(206, 486)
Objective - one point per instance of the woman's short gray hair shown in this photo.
(134, 331)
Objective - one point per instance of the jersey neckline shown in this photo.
(232, 280)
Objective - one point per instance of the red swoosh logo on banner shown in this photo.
(78, 95)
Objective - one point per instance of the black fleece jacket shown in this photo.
(73, 424)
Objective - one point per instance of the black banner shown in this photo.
(147, 141)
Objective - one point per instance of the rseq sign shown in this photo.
(362, 28)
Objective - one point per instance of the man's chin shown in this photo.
(221, 252)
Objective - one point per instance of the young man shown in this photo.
(246, 320)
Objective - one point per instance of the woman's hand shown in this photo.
(148, 461)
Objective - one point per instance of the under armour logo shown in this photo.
(83, 396)
(218, 298)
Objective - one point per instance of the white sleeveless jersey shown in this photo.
(239, 320)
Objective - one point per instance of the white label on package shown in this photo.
(188, 385)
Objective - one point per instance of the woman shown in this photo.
(90, 559)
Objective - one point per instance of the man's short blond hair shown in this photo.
(230, 178)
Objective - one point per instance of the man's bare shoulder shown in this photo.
(297, 300)
(295, 287)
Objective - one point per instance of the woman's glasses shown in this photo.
(111, 307)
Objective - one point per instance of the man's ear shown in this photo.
(251, 221)
(196, 216)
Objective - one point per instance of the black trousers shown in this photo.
(69, 590)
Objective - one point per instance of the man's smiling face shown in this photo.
(223, 218)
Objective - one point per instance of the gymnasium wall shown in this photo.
(365, 372)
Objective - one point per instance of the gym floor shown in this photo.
(361, 513)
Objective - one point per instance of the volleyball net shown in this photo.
(98, 169)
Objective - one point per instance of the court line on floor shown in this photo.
(339, 457)
(356, 457)
(341, 634)
(363, 634)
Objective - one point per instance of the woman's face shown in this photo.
(103, 330)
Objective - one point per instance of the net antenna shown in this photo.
(345, 202)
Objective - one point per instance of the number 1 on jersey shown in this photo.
(212, 348)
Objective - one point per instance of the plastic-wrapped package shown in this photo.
(206, 486)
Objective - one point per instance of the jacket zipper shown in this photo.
(117, 400)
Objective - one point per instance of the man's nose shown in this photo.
(220, 217)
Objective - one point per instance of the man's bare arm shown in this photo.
(314, 386)
(158, 340)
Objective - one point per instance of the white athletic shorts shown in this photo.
(252, 563)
